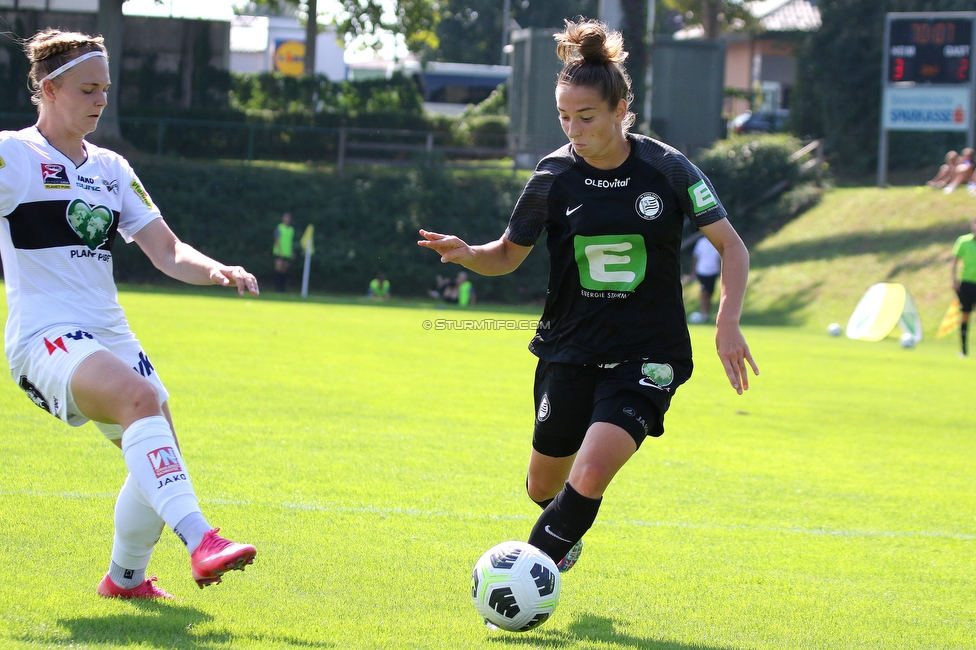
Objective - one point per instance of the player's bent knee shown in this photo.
(140, 400)
(542, 490)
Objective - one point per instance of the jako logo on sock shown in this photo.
(164, 461)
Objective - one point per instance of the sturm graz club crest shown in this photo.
(649, 206)
(543, 408)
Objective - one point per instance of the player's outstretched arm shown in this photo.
(186, 264)
(731, 345)
(494, 258)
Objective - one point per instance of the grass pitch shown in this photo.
(372, 461)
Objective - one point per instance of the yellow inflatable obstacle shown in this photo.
(884, 306)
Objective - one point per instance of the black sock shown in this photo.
(564, 522)
(964, 331)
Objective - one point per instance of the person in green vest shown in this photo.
(284, 251)
(461, 291)
(379, 287)
(465, 290)
(964, 283)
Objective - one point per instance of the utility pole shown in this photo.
(506, 20)
(649, 63)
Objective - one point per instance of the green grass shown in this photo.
(814, 270)
(372, 461)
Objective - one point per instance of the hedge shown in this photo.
(365, 221)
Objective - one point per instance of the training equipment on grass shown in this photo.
(907, 340)
(882, 307)
(951, 321)
(515, 586)
(834, 329)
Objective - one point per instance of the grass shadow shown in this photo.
(163, 625)
(785, 311)
(590, 628)
(850, 244)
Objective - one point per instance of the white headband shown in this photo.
(72, 63)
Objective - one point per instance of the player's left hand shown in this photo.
(236, 275)
(734, 353)
(450, 247)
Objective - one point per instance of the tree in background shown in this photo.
(715, 16)
(838, 91)
(470, 31)
(415, 21)
(109, 23)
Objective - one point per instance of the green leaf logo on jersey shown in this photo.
(701, 197)
(610, 262)
(91, 224)
(2, 164)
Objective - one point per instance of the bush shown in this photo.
(756, 181)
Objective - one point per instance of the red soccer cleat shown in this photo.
(147, 590)
(216, 556)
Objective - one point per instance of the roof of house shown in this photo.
(774, 16)
(787, 15)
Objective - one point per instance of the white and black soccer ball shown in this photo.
(515, 586)
(907, 340)
(834, 329)
(696, 318)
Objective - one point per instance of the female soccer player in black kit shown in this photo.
(612, 343)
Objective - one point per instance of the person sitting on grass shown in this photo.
(946, 171)
(963, 174)
(379, 287)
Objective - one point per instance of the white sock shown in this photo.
(126, 578)
(191, 530)
(137, 529)
(155, 462)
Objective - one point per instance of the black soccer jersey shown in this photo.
(614, 239)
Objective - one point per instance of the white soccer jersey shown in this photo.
(57, 225)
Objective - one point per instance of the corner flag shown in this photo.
(951, 320)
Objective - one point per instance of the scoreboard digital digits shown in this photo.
(930, 51)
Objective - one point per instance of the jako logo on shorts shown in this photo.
(164, 461)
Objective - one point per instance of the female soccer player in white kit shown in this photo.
(62, 203)
(612, 343)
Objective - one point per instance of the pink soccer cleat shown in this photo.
(216, 556)
(147, 590)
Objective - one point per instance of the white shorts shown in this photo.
(53, 356)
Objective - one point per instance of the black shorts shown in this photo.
(967, 296)
(708, 282)
(633, 395)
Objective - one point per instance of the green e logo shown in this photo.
(610, 262)
(701, 197)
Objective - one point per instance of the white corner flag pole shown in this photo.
(309, 248)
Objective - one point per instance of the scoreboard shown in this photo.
(930, 50)
(928, 82)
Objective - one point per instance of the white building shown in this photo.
(264, 43)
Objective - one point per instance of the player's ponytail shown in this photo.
(593, 55)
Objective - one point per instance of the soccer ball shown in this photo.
(696, 318)
(907, 340)
(834, 329)
(515, 586)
